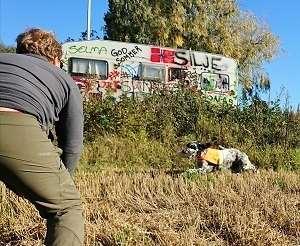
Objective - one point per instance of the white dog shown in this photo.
(209, 159)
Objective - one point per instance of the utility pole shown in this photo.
(88, 28)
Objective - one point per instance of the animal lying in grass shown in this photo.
(210, 158)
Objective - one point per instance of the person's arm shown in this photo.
(69, 129)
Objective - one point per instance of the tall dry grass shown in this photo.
(155, 208)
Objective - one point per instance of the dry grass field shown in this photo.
(156, 208)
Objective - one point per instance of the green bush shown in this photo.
(164, 122)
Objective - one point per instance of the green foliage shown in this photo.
(135, 152)
(99, 117)
(83, 36)
(150, 132)
(7, 49)
(211, 26)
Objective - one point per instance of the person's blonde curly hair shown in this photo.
(39, 42)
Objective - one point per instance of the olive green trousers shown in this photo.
(30, 166)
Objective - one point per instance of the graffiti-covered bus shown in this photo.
(104, 67)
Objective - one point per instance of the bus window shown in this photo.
(176, 73)
(152, 72)
(80, 66)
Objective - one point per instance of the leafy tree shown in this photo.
(83, 36)
(216, 26)
(7, 49)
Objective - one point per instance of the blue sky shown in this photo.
(68, 18)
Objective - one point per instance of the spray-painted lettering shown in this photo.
(123, 54)
(184, 58)
(162, 55)
(134, 69)
(86, 50)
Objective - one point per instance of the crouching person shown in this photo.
(36, 96)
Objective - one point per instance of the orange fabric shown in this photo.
(211, 155)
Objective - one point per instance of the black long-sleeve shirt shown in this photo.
(29, 83)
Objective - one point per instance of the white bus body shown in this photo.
(104, 67)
